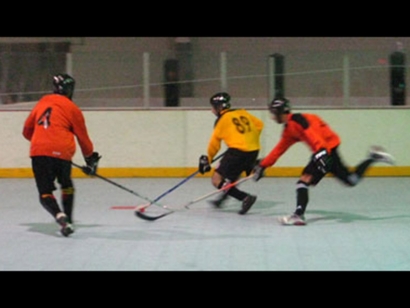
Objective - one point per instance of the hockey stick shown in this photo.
(144, 206)
(224, 188)
(120, 186)
(186, 206)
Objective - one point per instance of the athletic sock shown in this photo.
(67, 199)
(302, 197)
(233, 192)
(237, 194)
(362, 167)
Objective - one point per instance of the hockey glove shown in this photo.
(204, 165)
(321, 160)
(92, 164)
(258, 172)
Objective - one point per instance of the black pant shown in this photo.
(49, 169)
(338, 169)
(234, 162)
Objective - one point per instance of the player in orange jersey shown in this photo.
(240, 130)
(324, 144)
(51, 127)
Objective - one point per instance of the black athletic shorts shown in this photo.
(336, 167)
(234, 162)
(49, 169)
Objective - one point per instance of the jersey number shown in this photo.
(242, 124)
(45, 118)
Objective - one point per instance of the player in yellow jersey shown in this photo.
(240, 131)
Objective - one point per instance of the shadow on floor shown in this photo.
(51, 228)
(345, 217)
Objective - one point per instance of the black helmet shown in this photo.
(279, 105)
(64, 85)
(221, 99)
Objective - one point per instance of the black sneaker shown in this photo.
(66, 227)
(218, 203)
(67, 230)
(247, 204)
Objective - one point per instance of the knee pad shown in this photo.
(46, 198)
(223, 183)
(68, 191)
(301, 184)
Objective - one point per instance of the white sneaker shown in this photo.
(292, 220)
(380, 155)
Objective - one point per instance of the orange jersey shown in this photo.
(53, 124)
(307, 128)
(239, 129)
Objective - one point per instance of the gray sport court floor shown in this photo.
(365, 228)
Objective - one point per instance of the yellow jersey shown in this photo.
(238, 128)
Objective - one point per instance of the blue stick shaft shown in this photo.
(176, 186)
(184, 180)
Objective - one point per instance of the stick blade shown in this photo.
(150, 218)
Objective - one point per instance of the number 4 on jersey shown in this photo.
(45, 118)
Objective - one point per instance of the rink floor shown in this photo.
(365, 228)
